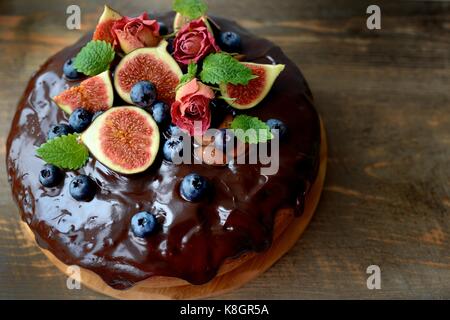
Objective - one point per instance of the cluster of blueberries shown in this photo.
(81, 188)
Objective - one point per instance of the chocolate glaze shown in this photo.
(194, 239)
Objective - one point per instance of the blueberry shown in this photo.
(230, 41)
(170, 47)
(275, 124)
(143, 224)
(82, 188)
(163, 29)
(95, 116)
(224, 140)
(58, 130)
(143, 94)
(50, 176)
(175, 130)
(172, 148)
(193, 187)
(69, 70)
(80, 119)
(160, 113)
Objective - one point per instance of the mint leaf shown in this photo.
(64, 152)
(94, 58)
(222, 68)
(191, 74)
(191, 9)
(250, 129)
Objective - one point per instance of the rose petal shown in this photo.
(128, 43)
(205, 91)
(132, 33)
(188, 89)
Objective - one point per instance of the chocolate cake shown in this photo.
(192, 239)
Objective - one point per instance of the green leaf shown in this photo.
(191, 74)
(64, 152)
(94, 58)
(191, 9)
(222, 68)
(242, 126)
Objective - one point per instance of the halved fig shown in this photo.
(248, 96)
(151, 64)
(179, 21)
(93, 94)
(125, 139)
(104, 25)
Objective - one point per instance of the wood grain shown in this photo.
(384, 97)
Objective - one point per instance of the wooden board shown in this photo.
(384, 96)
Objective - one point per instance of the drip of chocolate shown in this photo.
(193, 239)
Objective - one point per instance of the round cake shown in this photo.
(194, 242)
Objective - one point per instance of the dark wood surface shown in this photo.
(385, 98)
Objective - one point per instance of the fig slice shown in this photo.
(104, 25)
(151, 64)
(93, 94)
(179, 21)
(125, 139)
(248, 96)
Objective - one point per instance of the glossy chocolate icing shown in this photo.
(193, 239)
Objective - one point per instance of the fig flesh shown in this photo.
(248, 96)
(125, 139)
(93, 94)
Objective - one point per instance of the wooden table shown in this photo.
(385, 98)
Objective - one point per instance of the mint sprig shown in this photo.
(64, 152)
(250, 129)
(94, 58)
(191, 74)
(191, 9)
(223, 68)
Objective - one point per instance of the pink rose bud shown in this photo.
(193, 42)
(190, 111)
(133, 33)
